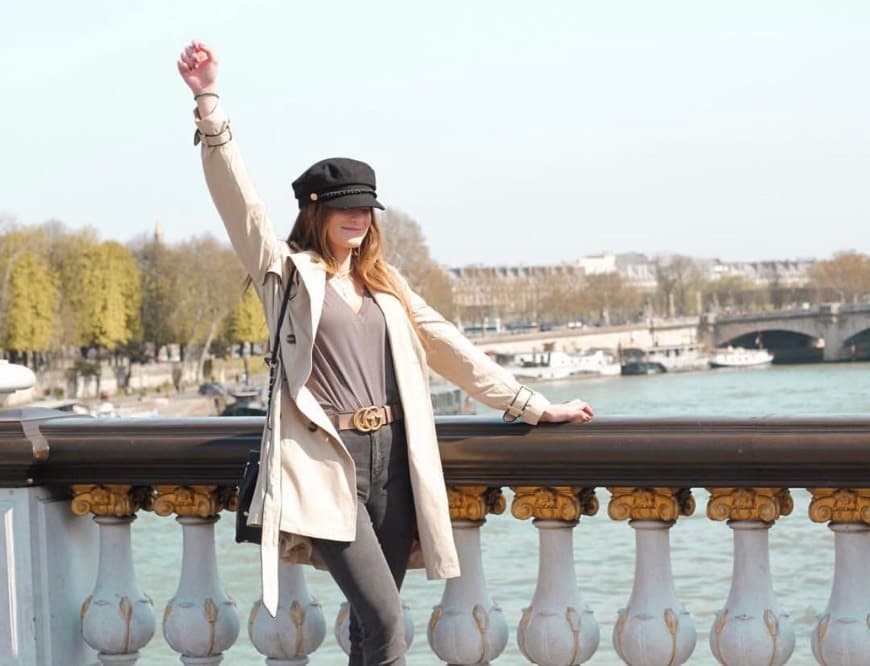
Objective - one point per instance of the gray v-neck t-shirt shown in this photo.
(352, 365)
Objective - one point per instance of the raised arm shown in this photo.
(234, 196)
(455, 358)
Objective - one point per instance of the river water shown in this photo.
(802, 552)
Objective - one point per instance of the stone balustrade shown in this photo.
(646, 467)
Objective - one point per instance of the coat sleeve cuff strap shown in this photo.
(213, 140)
(527, 405)
(518, 404)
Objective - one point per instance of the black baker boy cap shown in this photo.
(337, 182)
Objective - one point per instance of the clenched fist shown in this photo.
(198, 65)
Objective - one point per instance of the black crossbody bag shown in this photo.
(253, 533)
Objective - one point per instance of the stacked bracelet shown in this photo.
(206, 94)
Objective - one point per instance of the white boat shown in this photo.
(653, 360)
(599, 362)
(739, 357)
(558, 365)
(679, 357)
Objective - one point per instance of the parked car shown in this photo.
(248, 403)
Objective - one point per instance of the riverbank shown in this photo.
(178, 405)
(670, 332)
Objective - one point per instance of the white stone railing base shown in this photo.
(48, 562)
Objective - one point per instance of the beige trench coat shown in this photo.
(307, 482)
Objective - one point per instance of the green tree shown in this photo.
(158, 267)
(14, 243)
(54, 244)
(64, 249)
(246, 324)
(206, 281)
(32, 306)
(106, 296)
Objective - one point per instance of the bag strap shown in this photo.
(272, 359)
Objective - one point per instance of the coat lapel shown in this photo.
(398, 326)
(312, 273)
(404, 347)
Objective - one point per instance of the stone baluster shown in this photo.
(750, 629)
(117, 618)
(342, 627)
(467, 627)
(200, 621)
(557, 629)
(297, 629)
(653, 629)
(841, 635)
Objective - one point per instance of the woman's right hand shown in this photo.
(572, 411)
(198, 65)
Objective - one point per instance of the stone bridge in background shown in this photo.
(829, 332)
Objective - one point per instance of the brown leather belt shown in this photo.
(368, 419)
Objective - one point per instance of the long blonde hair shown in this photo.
(310, 233)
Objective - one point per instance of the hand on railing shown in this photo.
(573, 411)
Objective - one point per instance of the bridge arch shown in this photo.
(829, 331)
(857, 346)
(787, 346)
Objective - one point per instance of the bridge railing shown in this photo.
(56, 473)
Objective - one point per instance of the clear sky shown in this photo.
(512, 131)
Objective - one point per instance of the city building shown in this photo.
(514, 293)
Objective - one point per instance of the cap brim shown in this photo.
(363, 200)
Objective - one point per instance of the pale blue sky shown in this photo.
(520, 132)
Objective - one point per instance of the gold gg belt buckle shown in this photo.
(369, 419)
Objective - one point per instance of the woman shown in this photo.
(350, 470)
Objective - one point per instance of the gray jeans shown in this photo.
(370, 570)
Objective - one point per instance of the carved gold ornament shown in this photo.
(764, 504)
(108, 500)
(229, 495)
(196, 501)
(125, 608)
(297, 614)
(840, 505)
(210, 610)
(573, 619)
(525, 621)
(474, 502)
(565, 503)
(672, 622)
(85, 607)
(433, 621)
(622, 619)
(665, 504)
(481, 621)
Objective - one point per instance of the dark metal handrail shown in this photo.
(673, 452)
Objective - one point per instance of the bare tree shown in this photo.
(406, 249)
(676, 277)
(846, 273)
